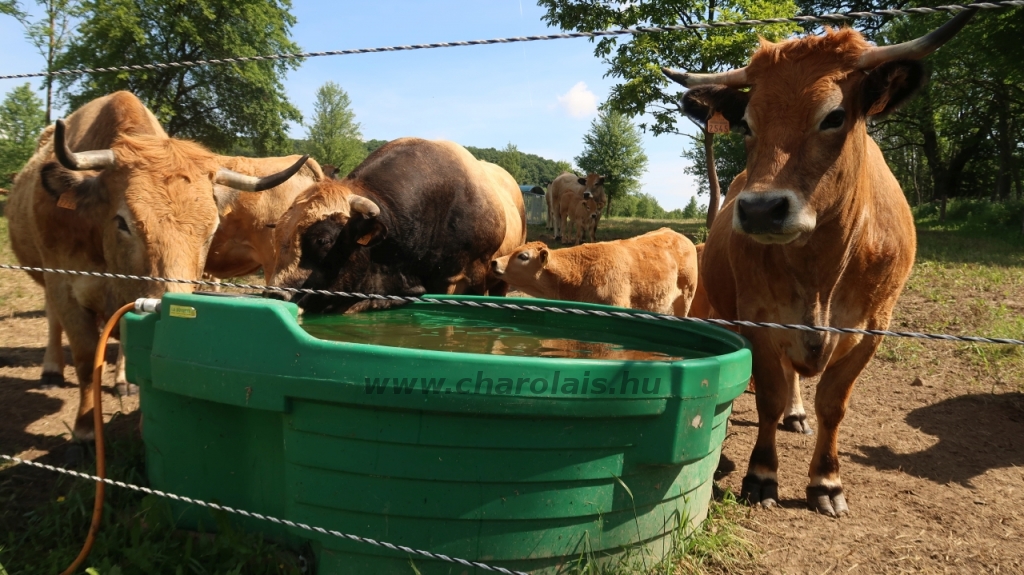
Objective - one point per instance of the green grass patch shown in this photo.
(138, 534)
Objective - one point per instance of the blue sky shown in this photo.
(540, 96)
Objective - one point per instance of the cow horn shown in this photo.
(233, 179)
(736, 78)
(363, 206)
(915, 49)
(92, 160)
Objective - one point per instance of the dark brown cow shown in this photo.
(417, 216)
(816, 230)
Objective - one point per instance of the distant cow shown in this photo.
(655, 272)
(579, 211)
(815, 230)
(108, 191)
(591, 186)
(415, 217)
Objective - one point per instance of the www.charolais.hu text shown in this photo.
(484, 384)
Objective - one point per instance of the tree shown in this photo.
(690, 211)
(21, 120)
(509, 159)
(613, 149)
(334, 137)
(219, 106)
(50, 34)
(637, 59)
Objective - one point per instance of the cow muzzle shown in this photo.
(774, 217)
(496, 268)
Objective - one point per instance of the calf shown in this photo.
(581, 211)
(654, 272)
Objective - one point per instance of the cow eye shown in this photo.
(122, 224)
(833, 120)
(524, 256)
(323, 241)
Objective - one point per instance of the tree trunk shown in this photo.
(49, 60)
(1004, 140)
(714, 189)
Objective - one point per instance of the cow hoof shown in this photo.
(827, 500)
(51, 380)
(796, 424)
(124, 389)
(760, 492)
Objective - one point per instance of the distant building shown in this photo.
(536, 204)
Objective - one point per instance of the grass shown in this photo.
(137, 536)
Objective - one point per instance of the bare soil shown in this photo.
(932, 448)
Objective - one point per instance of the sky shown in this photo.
(540, 96)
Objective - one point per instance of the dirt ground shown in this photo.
(932, 448)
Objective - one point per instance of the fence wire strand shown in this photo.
(261, 517)
(835, 18)
(650, 316)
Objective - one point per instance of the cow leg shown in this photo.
(795, 418)
(53, 358)
(761, 484)
(825, 490)
(80, 324)
(121, 383)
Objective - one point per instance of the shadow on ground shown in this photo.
(976, 433)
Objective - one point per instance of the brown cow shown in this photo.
(581, 211)
(654, 272)
(417, 216)
(815, 231)
(130, 200)
(591, 186)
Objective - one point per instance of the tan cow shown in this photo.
(815, 231)
(654, 272)
(579, 211)
(590, 187)
(108, 191)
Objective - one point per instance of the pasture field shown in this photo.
(933, 459)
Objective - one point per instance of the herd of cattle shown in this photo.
(816, 230)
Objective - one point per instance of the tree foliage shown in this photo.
(509, 160)
(534, 170)
(21, 120)
(613, 148)
(636, 60)
(219, 106)
(49, 34)
(333, 136)
(690, 211)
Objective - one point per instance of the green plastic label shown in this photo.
(183, 311)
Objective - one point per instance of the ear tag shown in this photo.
(718, 124)
(365, 239)
(68, 200)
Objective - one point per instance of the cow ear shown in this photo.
(225, 197)
(71, 189)
(700, 103)
(891, 85)
(370, 232)
(543, 255)
(582, 181)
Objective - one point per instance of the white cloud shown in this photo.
(579, 101)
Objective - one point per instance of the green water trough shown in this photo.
(527, 463)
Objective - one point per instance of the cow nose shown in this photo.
(588, 195)
(494, 268)
(763, 215)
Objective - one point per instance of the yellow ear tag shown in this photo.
(718, 124)
(365, 239)
(68, 200)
